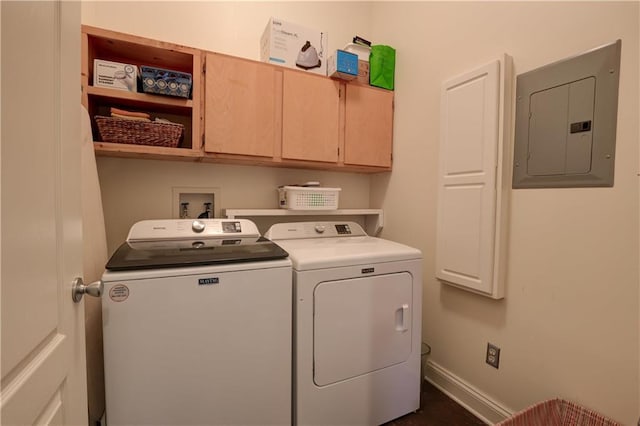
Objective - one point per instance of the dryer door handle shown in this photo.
(402, 318)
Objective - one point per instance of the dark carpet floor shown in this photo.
(437, 409)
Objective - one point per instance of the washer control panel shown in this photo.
(148, 230)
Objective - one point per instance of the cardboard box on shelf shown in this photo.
(363, 72)
(166, 82)
(115, 75)
(343, 65)
(363, 53)
(294, 46)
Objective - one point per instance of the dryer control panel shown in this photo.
(298, 230)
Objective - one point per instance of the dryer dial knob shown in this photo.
(319, 229)
(198, 226)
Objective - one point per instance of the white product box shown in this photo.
(115, 75)
(294, 46)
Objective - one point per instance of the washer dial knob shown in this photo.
(198, 226)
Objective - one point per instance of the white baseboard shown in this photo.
(481, 405)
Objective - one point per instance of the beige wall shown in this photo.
(568, 326)
(141, 189)
(134, 190)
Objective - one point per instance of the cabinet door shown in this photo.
(473, 187)
(240, 106)
(368, 126)
(310, 117)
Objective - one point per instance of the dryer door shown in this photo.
(361, 325)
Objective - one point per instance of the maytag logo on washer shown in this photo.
(208, 281)
(368, 270)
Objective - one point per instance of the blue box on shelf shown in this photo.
(165, 82)
(343, 65)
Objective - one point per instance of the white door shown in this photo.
(43, 356)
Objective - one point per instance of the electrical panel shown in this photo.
(566, 115)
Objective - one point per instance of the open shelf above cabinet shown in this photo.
(144, 151)
(140, 99)
(112, 46)
(374, 218)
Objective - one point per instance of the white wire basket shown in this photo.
(308, 198)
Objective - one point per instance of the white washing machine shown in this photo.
(357, 324)
(197, 326)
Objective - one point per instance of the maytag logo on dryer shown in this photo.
(208, 281)
(368, 270)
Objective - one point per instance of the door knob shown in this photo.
(78, 289)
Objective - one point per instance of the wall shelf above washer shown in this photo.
(374, 218)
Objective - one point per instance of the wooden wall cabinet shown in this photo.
(347, 125)
(108, 45)
(259, 113)
(243, 111)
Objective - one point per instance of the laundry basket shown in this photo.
(308, 198)
(557, 412)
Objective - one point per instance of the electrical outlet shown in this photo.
(493, 355)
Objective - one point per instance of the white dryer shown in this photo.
(357, 324)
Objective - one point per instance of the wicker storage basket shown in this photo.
(557, 412)
(120, 130)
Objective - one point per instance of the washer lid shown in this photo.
(171, 254)
(177, 243)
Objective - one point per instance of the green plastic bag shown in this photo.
(382, 66)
